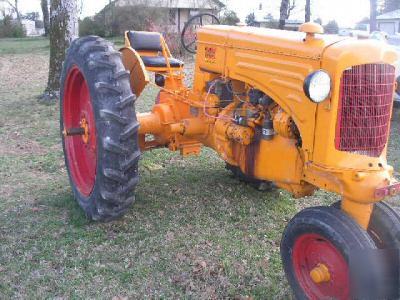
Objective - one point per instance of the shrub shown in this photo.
(332, 27)
(229, 18)
(89, 26)
(11, 29)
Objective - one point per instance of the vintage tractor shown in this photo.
(299, 109)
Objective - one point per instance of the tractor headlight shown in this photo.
(317, 86)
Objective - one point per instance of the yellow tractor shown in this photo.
(303, 110)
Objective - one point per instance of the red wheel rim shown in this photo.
(309, 251)
(81, 155)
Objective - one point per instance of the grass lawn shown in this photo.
(194, 232)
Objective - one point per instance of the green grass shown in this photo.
(194, 232)
(24, 46)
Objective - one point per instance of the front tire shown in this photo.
(316, 248)
(102, 164)
(384, 225)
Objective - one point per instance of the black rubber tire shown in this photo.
(335, 226)
(116, 125)
(384, 226)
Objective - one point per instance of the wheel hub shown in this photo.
(320, 267)
(79, 132)
(83, 131)
(320, 274)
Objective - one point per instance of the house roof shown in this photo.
(390, 15)
(194, 4)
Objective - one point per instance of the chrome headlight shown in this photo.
(317, 86)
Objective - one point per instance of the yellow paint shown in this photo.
(277, 63)
(320, 274)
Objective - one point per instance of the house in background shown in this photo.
(389, 22)
(31, 28)
(179, 11)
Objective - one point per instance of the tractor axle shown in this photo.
(74, 131)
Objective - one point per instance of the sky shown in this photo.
(345, 12)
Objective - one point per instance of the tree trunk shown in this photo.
(373, 13)
(308, 11)
(46, 21)
(63, 30)
(283, 13)
(17, 11)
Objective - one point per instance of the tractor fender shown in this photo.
(139, 77)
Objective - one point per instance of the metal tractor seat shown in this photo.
(152, 49)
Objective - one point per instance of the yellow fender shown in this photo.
(138, 74)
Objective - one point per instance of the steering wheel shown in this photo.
(189, 35)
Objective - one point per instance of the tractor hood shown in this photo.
(288, 43)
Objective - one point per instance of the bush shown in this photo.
(115, 20)
(89, 26)
(9, 28)
(332, 27)
(229, 18)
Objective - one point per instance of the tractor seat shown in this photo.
(146, 42)
(160, 62)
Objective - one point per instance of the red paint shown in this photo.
(365, 103)
(311, 249)
(81, 157)
(390, 190)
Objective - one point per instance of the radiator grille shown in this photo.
(365, 104)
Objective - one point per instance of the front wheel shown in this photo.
(99, 128)
(384, 225)
(316, 248)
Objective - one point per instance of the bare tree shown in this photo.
(373, 13)
(287, 7)
(46, 21)
(14, 6)
(308, 11)
(63, 30)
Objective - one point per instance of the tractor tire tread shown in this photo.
(126, 101)
(116, 126)
(109, 115)
(131, 161)
(105, 87)
(129, 130)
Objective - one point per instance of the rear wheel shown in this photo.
(316, 247)
(100, 129)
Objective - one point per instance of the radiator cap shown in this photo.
(311, 29)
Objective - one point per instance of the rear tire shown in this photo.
(114, 132)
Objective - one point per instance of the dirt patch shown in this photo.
(17, 70)
(16, 144)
